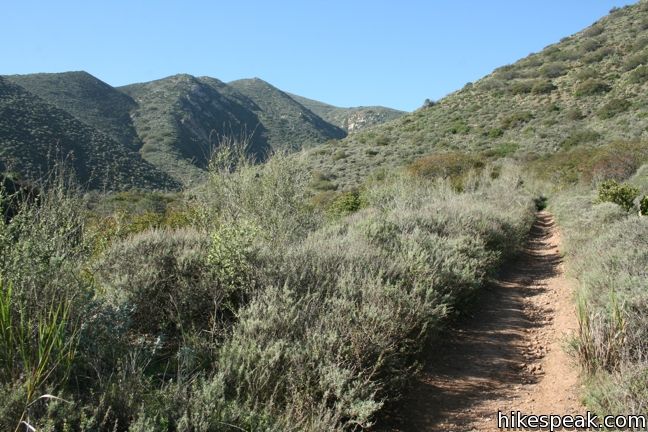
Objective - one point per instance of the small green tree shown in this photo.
(230, 254)
(643, 206)
(622, 194)
(428, 103)
(592, 87)
(347, 203)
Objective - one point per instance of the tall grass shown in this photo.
(37, 348)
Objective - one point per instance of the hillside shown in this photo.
(88, 99)
(34, 135)
(175, 123)
(180, 118)
(350, 119)
(290, 125)
(587, 90)
(175, 119)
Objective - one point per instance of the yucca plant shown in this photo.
(584, 343)
(35, 350)
(602, 335)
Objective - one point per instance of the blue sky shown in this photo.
(347, 53)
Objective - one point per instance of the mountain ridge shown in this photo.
(173, 123)
(35, 136)
(86, 97)
(351, 119)
(280, 111)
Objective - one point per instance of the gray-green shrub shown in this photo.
(273, 197)
(608, 253)
(353, 303)
(265, 314)
(163, 277)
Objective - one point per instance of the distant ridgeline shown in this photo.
(155, 135)
(573, 98)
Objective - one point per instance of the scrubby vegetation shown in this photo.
(587, 164)
(606, 233)
(593, 81)
(297, 294)
(620, 194)
(260, 311)
(451, 166)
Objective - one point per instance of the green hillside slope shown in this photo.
(179, 119)
(587, 90)
(88, 99)
(176, 122)
(34, 135)
(350, 119)
(290, 125)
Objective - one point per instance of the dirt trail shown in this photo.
(509, 356)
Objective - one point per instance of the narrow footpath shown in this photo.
(510, 356)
